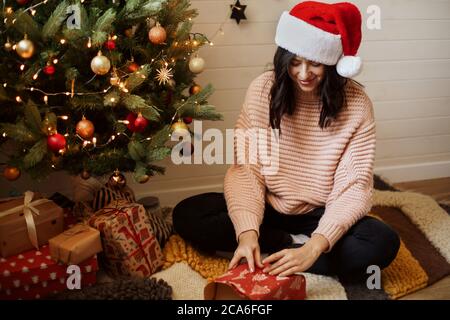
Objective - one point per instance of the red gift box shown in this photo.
(240, 283)
(130, 247)
(34, 274)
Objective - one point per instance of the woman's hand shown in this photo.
(248, 248)
(289, 261)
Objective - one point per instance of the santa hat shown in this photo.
(324, 33)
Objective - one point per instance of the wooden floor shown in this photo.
(439, 189)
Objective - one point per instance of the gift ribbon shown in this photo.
(81, 228)
(28, 208)
(119, 208)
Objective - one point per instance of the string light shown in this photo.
(22, 67)
(63, 117)
(55, 61)
(18, 99)
(68, 93)
(62, 41)
(4, 134)
(89, 44)
(46, 99)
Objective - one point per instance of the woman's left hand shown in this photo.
(289, 261)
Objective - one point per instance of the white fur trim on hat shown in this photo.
(308, 41)
(349, 66)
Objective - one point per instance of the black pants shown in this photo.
(203, 221)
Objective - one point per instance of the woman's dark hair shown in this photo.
(282, 94)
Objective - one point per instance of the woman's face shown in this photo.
(307, 75)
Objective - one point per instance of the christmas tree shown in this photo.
(94, 86)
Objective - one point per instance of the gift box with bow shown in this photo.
(27, 223)
(240, 283)
(130, 247)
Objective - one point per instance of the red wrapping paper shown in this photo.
(35, 275)
(240, 283)
(130, 247)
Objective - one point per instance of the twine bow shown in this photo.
(28, 208)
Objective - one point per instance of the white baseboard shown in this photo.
(415, 171)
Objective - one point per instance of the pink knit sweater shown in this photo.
(331, 167)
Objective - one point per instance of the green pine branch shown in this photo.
(137, 104)
(25, 24)
(32, 117)
(19, 132)
(53, 24)
(36, 154)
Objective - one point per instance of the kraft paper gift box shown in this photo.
(75, 244)
(239, 283)
(27, 223)
(130, 247)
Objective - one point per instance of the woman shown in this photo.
(311, 214)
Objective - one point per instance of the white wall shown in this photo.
(406, 73)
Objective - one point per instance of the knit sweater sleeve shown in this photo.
(351, 195)
(244, 186)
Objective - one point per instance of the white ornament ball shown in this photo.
(100, 64)
(25, 48)
(197, 65)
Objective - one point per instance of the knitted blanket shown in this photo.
(423, 258)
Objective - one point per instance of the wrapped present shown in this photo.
(129, 244)
(34, 274)
(240, 283)
(75, 244)
(28, 222)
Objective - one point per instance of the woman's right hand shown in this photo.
(248, 248)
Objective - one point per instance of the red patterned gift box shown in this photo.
(129, 245)
(240, 283)
(33, 275)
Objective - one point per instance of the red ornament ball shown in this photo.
(49, 70)
(56, 142)
(187, 120)
(131, 118)
(140, 123)
(133, 67)
(110, 45)
(22, 2)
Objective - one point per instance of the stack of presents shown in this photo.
(40, 238)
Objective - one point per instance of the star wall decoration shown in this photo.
(237, 11)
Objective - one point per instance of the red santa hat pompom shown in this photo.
(325, 33)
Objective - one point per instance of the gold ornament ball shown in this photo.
(8, 46)
(85, 175)
(117, 180)
(196, 65)
(180, 128)
(144, 178)
(157, 34)
(25, 48)
(85, 128)
(11, 173)
(195, 89)
(100, 64)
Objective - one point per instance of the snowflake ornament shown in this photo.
(164, 75)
